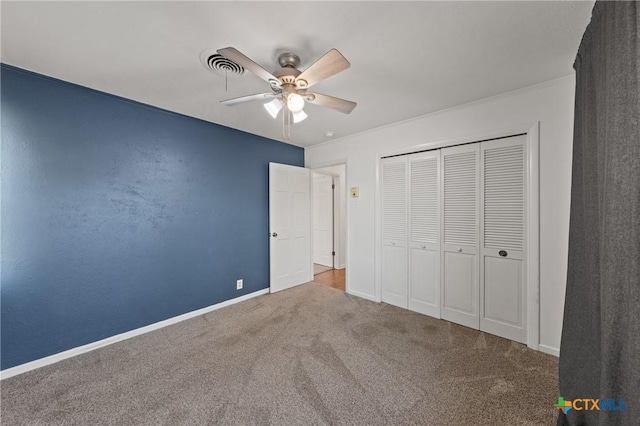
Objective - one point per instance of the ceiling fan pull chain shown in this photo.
(286, 123)
(226, 79)
(284, 133)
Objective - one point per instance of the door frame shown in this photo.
(532, 213)
(334, 213)
(340, 162)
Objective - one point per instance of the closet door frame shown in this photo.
(532, 213)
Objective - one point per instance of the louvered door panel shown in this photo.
(394, 231)
(460, 222)
(502, 279)
(460, 198)
(504, 197)
(394, 196)
(424, 241)
(425, 226)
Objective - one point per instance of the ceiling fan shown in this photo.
(289, 86)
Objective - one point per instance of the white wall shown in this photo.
(549, 103)
(339, 171)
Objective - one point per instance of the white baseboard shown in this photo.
(52, 359)
(362, 295)
(549, 350)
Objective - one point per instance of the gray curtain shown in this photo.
(600, 350)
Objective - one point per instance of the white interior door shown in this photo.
(424, 234)
(290, 226)
(394, 231)
(460, 225)
(503, 307)
(322, 219)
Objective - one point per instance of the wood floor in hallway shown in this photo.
(318, 269)
(334, 278)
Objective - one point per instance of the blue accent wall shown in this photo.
(116, 215)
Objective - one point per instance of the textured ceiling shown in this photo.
(407, 58)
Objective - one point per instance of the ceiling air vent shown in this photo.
(220, 65)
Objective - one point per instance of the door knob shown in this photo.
(275, 234)
(459, 249)
(423, 246)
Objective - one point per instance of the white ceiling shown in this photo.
(407, 58)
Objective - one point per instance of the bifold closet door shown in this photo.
(424, 233)
(394, 231)
(503, 307)
(460, 225)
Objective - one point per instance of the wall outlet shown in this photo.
(239, 284)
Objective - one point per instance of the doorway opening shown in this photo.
(329, 226)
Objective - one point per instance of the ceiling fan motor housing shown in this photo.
(289, 60)
(289, 72)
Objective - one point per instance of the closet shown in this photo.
(453, 240)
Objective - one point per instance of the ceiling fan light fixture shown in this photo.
(295, 102)
(299, 116)
(273, 107)
(289, 85)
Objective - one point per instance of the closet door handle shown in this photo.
(459, 249)
(423, 247)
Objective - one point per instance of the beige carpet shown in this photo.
(309, 355)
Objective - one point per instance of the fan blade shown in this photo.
(241, 59)
(338, 104)
(330, 64)
(242, 99)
